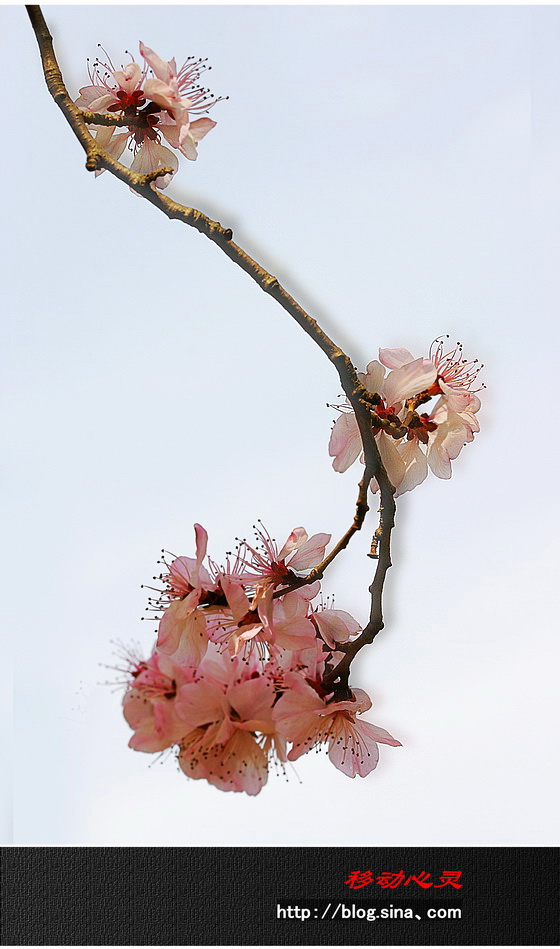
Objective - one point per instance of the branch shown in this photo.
(109, 118)
(337, 678)
(360, 399)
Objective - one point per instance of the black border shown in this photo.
(229, 896)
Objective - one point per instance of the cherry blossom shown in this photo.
(334, 626)
(433, 439)
(308, 720)
(158, 105)
(182, 628)
(178, 94)
(237, 672)
(279, 567)
(149, 703)
(276, 624)
(222, 712)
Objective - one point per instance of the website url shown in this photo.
(364, 911)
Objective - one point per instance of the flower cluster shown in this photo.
(160, 101)
(238, 669)
(411, 442)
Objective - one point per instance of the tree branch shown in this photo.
(109, 118)
(337, 678)
(360, 399)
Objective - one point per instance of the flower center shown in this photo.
(450, 366)
(419, 427)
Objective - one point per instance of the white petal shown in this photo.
(395, 358)
(409, 380)
(200, 128)
(390, 456)
(296, 539)
(373, 377)
(345, 443)
(416, 467)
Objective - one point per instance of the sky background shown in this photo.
(398, 169)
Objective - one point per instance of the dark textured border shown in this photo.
(228, 896)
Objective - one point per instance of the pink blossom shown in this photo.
(406, 379)
(280, 567)
(160, 106)
(182, 628)
(152, 156)
(179, 94)
(307, 720)
(112, 90)
(335, 626)
(222, 711)
(276, 624)
(452, 369)
(149, 704)
(432, 440)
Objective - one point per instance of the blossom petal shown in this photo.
(409, 380)
(460, 400)
(395, 358)
(438, 459)
(296, 539)
(150, 157)
(391, 458)
(294, 634)
(345, 443)
(164, 94)
(129, 77)
(416, 467)
(252, 700)
(199, 703)
(238, 601)
(200, 128)
(159, 66)
(373, 377)
(95, 99)
(353, 746)
(310, 553)
(335, 626)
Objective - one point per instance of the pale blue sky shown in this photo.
(398, 169)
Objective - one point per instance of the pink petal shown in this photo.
(188, 147)
(252, 699)
(201, 543)
(151, 156)
(345, 443)
(309, 591)
(162, 93)
(160, 68)
(95, 99)
(362, 699)
(295, 540)
(129, 77)
(199, 703)
(438, 460)
(200, 128)
(335, 626)
(416, 467)
(373, 377)
(238, 601)
(194, 640)
(395, 358)
(390, 456)
(295, 634)
(460, 400)
(409, 380)
(310, 553)
(136, 708)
